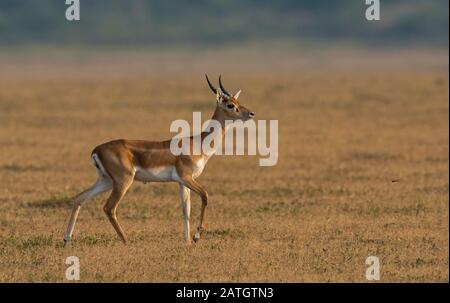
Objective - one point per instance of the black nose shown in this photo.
(251, 114)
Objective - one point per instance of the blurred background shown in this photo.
(418, 23)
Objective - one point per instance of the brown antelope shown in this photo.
(120, 162)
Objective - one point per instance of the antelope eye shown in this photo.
(230, 106)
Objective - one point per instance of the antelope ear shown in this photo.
(236, 95)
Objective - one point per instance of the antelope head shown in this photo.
(228, 104)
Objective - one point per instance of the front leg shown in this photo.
(196, 187)
(185, 198)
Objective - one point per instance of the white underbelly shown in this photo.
(156, 174)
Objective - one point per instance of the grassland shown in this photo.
(363, 167)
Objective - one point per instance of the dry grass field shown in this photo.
(363, 167)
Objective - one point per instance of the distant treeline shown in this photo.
(173, 22)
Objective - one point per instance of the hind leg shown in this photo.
(103, 184)
(110, 208)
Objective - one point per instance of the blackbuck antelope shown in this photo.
(120, 162)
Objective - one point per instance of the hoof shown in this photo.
(196, 237)
(67, 243)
